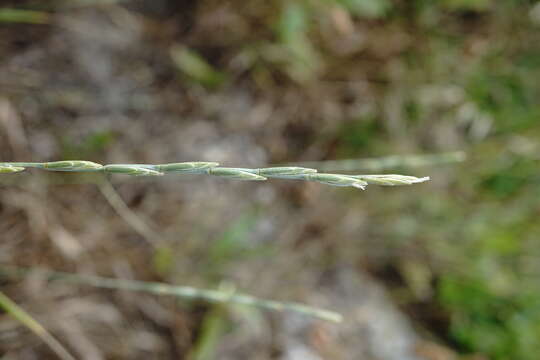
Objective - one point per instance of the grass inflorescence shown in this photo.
(213, 168)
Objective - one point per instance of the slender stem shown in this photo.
(24, 318)
(388, 162)
(25, 164)
(132, 219)
(185, 292)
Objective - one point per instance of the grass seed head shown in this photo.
(211, 168)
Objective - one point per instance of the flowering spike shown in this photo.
(212, 168)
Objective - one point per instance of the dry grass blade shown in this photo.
(116, 202)
(24, 318)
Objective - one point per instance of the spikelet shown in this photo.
(198, 167)
(73, 165)
(133, 170)
(391, 179)
(8, 169)
(234, 173)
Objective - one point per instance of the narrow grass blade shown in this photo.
(24, 318)
(214, 326)
(184, 292)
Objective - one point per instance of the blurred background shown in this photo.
(442, 270)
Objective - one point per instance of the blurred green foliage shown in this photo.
(232, 242)
(467, 4)
(163, 260)
(507, 97)
(213, 328)
(88, 146)
(366, 8)
(9, 15)
(482, 235)
(232, 245)
(359, 135)
(503, 326)
(292, 31)
(196, 67)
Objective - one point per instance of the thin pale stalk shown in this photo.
(185, 292)
(388, 162)
(24, 318)
(132, 219)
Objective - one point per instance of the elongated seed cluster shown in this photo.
(213, 168)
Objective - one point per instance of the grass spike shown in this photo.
(213, 168)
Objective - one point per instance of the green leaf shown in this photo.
(367, 8)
